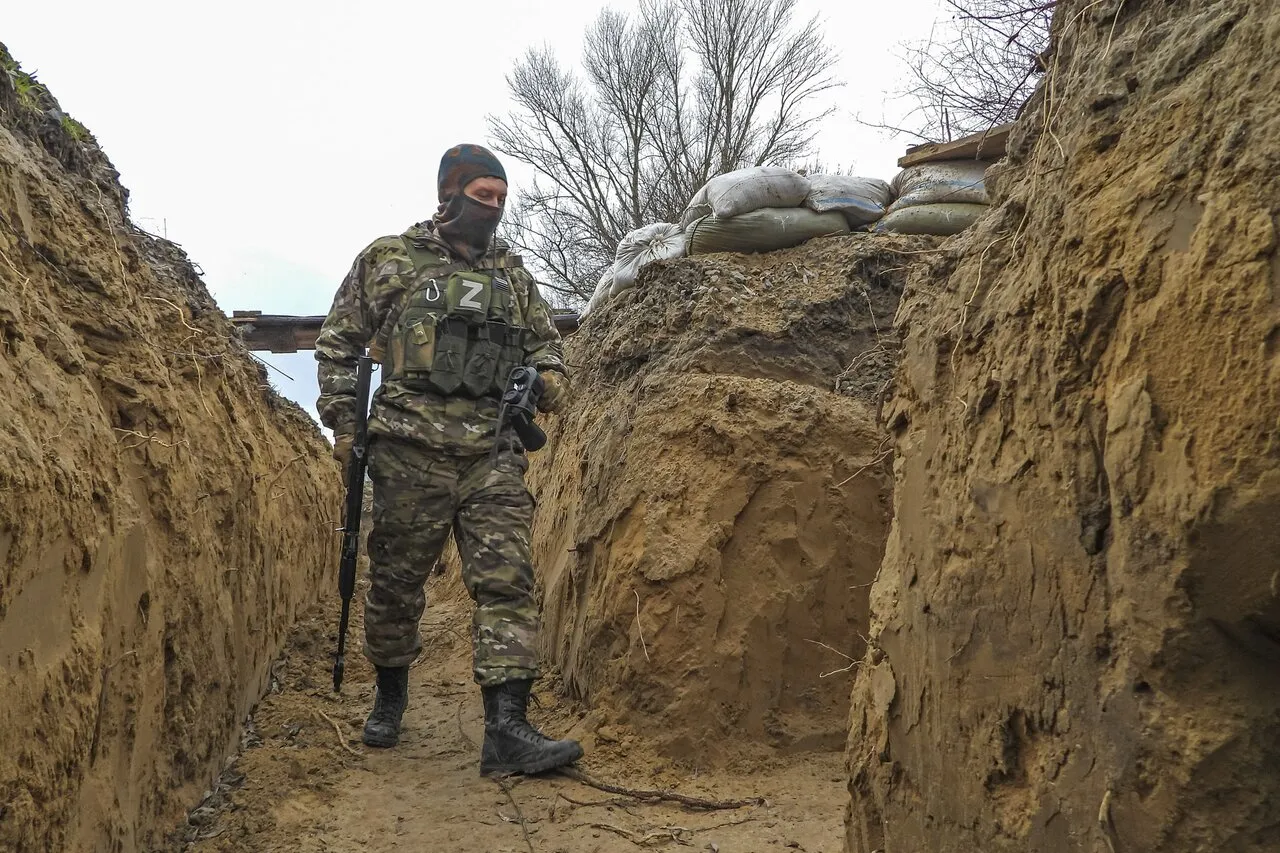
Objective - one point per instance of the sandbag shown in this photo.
(861, 200)
(762, 230)
(657, 242)
(744, 190)
(696, 209)
(940, 220)
(601, 294)
(947, 182)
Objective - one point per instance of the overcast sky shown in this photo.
(273, 140)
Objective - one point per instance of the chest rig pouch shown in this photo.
(459, 332)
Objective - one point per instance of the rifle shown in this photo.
(519, 407)
(356, 468)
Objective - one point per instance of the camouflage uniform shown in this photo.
(429, 458)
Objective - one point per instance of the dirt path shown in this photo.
(304, 783)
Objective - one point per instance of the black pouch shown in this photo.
(449, 363)
(483, 358)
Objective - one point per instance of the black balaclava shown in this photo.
(467, 224)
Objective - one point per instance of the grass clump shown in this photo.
(30, 91)
(35, 97)
(74, 129)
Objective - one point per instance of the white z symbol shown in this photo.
(468, 300)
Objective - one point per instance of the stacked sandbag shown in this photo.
(746, 190)
(601, 293)
(763, 230)
(660, 241)
(861, 201)
(657, 242)
(941, 220)
(756, 210)
(940, 198)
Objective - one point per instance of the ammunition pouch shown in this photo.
(456, 336)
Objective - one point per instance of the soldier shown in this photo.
(448, 313)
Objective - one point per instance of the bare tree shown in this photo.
(682, 91)
(976, 70)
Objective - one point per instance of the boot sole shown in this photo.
(380, 743)
(532, 769)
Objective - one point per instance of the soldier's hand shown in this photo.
(555, 392)
(342, 444)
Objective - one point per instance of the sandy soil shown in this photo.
(304, 783)
(164, 514)
(713, 509)
(1076, 642)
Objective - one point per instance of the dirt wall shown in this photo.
(1076, 630)
(163, 513)
(713, 510)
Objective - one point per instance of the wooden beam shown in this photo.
(277, 332)
(288, 333)
(567, 322)
(987, 145)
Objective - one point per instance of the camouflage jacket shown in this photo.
(378, 281)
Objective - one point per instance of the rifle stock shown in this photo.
(355, 472)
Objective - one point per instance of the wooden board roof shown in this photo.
(290, 333)
(987, 145)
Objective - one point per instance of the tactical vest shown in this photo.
(458, 331)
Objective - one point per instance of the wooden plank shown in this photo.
(566, 323)
(277, 332)
(288, 333)
(987, 145)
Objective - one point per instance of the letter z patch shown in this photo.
(468, 299)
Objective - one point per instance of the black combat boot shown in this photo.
(383, 726)
(511, 745)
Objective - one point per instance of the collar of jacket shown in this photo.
(424, 236)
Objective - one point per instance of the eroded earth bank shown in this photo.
(1076, 630)
(164, 515)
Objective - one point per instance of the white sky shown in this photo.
(275, 139)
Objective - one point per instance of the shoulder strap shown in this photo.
(425, 258)
(508, 262)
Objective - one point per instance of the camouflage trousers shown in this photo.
(419, 496)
